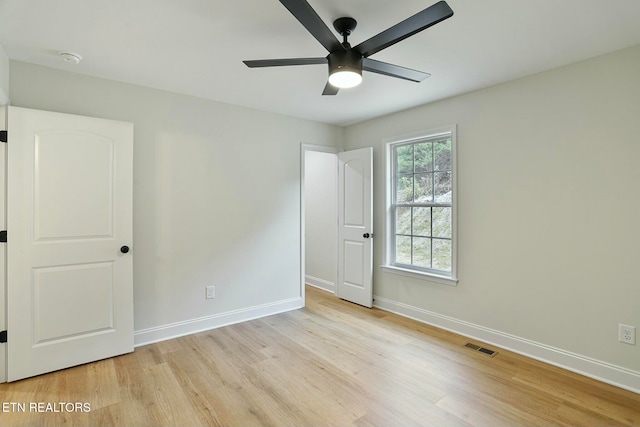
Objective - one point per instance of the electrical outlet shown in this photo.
(211, 292)
(627, 334)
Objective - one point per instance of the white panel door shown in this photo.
(3, 258)
(355, 222)
(69, 226)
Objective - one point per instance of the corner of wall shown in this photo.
(4, 77)
(343, 138)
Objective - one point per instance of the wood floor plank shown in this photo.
(332, 363)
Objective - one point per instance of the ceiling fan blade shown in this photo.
(330, 89)
(410, 26)
(309, 19)
(284, 62)
(393, 70)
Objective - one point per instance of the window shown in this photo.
(421, 211)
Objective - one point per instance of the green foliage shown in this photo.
(423, 161)
(423, 172)
(404, 159)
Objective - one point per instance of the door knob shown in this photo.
(366, 235)
(124, 249)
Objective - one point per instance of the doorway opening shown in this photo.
(319, 217)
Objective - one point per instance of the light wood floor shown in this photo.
(330, 364)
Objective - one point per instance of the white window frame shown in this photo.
(405, 270)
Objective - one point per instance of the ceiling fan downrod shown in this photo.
(344, 26)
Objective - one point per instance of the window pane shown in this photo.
(422, 174)
(423, 157)
(423, 187)
(404, 156)
(442, 222)
(442, 154)
(422, 221)
(403, 220)
(404, 190)
(403, 250)
(443, 186)
(422, 252)
(442, 254)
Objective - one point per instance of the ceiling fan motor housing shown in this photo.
(346, 60)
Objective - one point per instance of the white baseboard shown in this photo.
(320, 283)
(596, 369)
(192, 326)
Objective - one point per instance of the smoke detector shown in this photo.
(71, 58)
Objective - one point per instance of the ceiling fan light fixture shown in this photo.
(345, 79)
(345, 69)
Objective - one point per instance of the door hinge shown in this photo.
(4, 136)
(3, 236)
(3, 336)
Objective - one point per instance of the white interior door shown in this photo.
(3, 257)
(355, 222)
(69, 219)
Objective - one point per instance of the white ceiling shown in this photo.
(196, 47)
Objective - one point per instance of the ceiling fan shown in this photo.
(345, 62)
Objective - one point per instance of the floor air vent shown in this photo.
(486, 351)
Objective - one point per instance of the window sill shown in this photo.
(444, 280)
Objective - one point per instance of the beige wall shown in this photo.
(4, 77)
(216, 197)
(548, 207)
